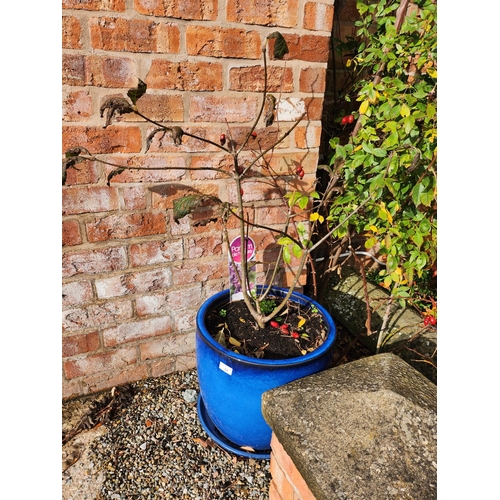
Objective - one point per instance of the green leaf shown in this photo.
(285, 240)
(139, 91)
(286, 255)
(280, 46)
(297, 251)
(187, 204)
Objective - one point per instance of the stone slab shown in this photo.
(363, 430)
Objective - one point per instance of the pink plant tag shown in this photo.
(235, 273)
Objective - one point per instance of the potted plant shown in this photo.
(233, 371)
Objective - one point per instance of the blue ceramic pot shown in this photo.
(231, 385)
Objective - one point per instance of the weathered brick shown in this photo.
(314, 107)
(118, 226)
(88, 199)
(170, 345)
(201, 76)
(131, 283)
(71, 233)
(107, 361)
(318, 16)
(114, 139)
(71, 389)
(282, 13)
(94, 261)
(219, 109)
(280, 481)
(97, 315)
(133, 35)
(161, 108)
(204, 246)
(251, 79)
(202, 163)
(155, 252)
(71, 33)
(77, 106)
(134, 198)
(80, 344)
(312, 48)
(200, 10)
(308, 136)
(162, 366)
(191, 272)
(312, 80)
(175, 300)
(223, 42)
(184, 362)
(76, 293)
(165, 144)
(114, 5)
(99, 71)
(153, 166)
(137, 330)
(108, 379)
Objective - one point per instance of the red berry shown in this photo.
(274, 324)
(350, 119)
(295, 335)
(301, 174)
(241, 192)
(254, 134)
(432, 320)
(284, 329)
(223, 139)
(427, 320)
(344, 120)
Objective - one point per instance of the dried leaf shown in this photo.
(116, 171)
(234, 342)
(247, 448)
(115, 106)
(177, 133)
(301, 322)
(269, 110)
(139, 91)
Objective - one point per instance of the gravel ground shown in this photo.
(152, 446)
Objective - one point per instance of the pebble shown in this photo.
(155, 448)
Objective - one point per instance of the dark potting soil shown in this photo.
(233, 326)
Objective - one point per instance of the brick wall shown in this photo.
(133, 278)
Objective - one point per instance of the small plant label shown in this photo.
(225, 368)
(235, 270)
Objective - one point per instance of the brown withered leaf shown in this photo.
(115, 106)
(269, 106)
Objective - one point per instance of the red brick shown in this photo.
(76, 292)
(71, 33)
(80, 344)
(314, 108)
(132, 283)
(251, 79)
(219, 109)
(71, 233)
(114, 5)
(97, 315)
(273, 492)
(137, 330)
(119, 226)
(184, 75)
(71, 389)
(282, 13)
(114, 139)
(106, 380)
(289, 470)
(107, 361)
(94, 261)
(312, 80)
(162, 108)
(184, 362)
(152, 165)
(318, 16)
(85, 172)
(77, 106)
(266, 137)
(83, 199)
(223, 42)
(171, 345)
(283, 487)
(155, 252)
(314, 48)
(199, 10)
(202, 164)
(133, 35)
(175, 300)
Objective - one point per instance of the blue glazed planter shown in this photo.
(231, 385)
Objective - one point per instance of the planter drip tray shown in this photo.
(224, 443)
